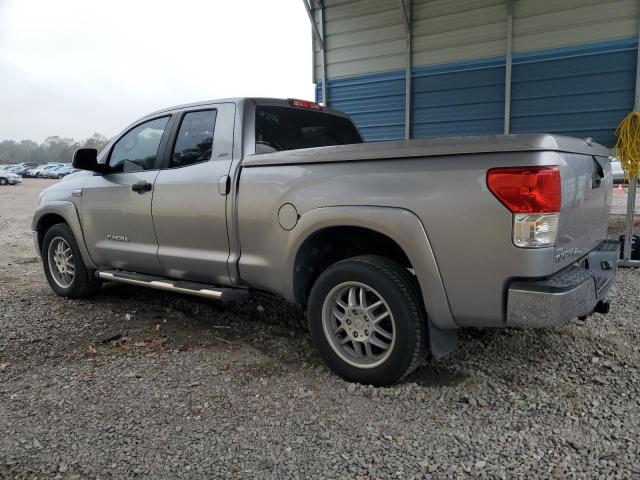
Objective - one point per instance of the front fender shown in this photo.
(402, 226)
(68, 211)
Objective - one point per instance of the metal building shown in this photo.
(424, 68)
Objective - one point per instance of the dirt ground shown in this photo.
(137, 383)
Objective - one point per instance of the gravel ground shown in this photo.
(137, 383)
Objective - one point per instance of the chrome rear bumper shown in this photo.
(572, 292)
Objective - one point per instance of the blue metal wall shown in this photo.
(580, 91)
(374, 102)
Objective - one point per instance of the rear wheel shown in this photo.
(366, 320)
(3, 181)
(66, 272)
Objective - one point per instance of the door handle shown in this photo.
(141, 187)
(224, 185)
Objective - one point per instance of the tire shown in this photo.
(82, 282)
(3, 181)
(337, 331)
(60, 177)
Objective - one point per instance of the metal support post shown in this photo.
(633, 182)
(405, 9)
(318, 35)
(508, 67)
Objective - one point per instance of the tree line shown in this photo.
(53, 149)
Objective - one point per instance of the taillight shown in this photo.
(526, 189)
(304, 104)
(533, 195)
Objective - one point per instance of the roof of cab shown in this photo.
(284, 102)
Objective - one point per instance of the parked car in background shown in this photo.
(28, 167)
(9, 178)
(40, 171)
(60, 172)
(16, 169)
(51, 172)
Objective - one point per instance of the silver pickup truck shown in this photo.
(392, 246)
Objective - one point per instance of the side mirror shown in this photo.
(86, 159)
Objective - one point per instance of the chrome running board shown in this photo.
(225, 294)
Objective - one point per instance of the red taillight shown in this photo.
(526, 189)
(304, 104)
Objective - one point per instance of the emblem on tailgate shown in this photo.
(562, 253)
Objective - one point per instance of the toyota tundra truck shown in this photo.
(391, 246)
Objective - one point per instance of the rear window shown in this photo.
(286, 128)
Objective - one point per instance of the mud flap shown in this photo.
(442, 342)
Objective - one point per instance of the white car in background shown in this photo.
(41, 171)
(9, 178)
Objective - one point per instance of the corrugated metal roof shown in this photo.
(540, 25)
(367, 36)
(362, 36)
(446, 32)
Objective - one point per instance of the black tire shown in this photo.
(399, 289)
(3, 181)
(84, 282)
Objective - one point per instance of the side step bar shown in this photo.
(225, 294)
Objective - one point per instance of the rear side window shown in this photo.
(287, 128)
(194, 143)
(137, 149)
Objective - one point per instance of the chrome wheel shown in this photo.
(61, 264)
(358, 324)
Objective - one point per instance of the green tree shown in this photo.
(53, 149)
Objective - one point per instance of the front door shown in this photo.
(189, 202)
(116, 206)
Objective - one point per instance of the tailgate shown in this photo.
(586, 204)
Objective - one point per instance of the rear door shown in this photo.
(116, 206)
(190, 195)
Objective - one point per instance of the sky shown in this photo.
(75, 67)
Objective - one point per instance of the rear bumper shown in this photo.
(572, 292)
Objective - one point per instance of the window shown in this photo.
(138, 149)
(195, 139)
(286, 128)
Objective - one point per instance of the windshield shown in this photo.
(287, 128)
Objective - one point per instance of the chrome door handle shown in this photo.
(224, 185)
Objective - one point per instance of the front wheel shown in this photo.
(3, 181)
(366, 320)
(66, 272)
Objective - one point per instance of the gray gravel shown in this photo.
(141, 384)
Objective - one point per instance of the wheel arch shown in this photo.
(330, 244)
(59, 212)
(398, 230)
